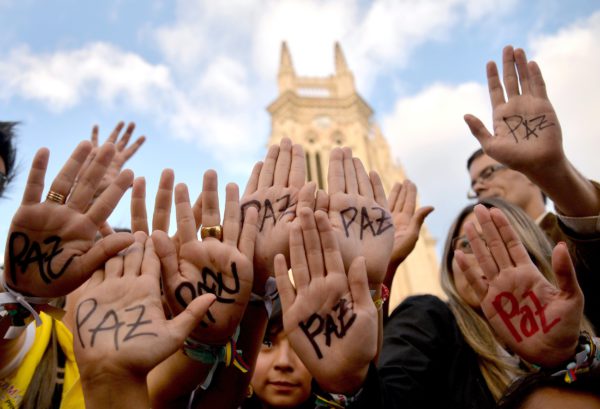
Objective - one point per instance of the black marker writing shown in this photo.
(328, 325)
(530, 126)
(111, 321)
(376, 226)
(267, 211)
(31, 253)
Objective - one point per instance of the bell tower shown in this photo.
(321, 113)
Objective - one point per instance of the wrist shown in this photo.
(114, 390)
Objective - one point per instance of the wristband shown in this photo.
(585, 360)
(19, 309)
(215, 354)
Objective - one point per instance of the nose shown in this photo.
(285, 357)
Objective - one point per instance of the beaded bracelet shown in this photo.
(385, 295)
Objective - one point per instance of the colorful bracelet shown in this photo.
(215, 354)
(19, 309)
(336, 400)
(385, 295)
(585, 360)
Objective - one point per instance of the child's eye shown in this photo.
(267, 344)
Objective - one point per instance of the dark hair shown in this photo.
(479, 152)
(474, 156)
(518, 392)
(7, 149)
(275, 324)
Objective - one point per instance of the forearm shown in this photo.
(229, 386)
(572, 194)
(174, 378)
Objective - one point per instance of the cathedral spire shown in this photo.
(285, 64)
(340, 61)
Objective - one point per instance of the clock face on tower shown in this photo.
(322, 121)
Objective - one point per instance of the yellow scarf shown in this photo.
(13, 387)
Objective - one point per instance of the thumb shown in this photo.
(190, 318)
(563, 268)
(420, 216)
(104, 249)
(478, 129)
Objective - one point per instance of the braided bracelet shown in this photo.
(215, 354)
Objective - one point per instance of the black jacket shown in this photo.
(425, 362)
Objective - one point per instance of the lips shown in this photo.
(284, 384)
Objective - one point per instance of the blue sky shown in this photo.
(196, 77)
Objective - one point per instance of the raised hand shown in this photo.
(527, 135)
(223, 268)
(407, 221)
(120, 327)
(358, 214)
(536, 319)
(274, 189)
(122, 155)
(50, 248)
(329, 316)
(163, 201)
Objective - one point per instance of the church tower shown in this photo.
(321, 113)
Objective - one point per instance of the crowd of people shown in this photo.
(280, 302)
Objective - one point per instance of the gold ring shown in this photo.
(56, 197)
(212, 231)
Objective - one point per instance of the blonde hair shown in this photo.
(497, 367)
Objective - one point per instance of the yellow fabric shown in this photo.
(14, 387)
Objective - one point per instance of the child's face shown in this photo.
(280, 379)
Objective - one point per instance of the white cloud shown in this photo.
(428, 135)
(61, 80)
(570, 63)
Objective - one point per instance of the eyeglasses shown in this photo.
(486, 174)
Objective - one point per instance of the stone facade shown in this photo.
(324, 112)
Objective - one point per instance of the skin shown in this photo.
(550, 398)
(280, 378)
(463, 287)
(509, 270)
(508, 184)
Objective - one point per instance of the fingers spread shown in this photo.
(185, 217)
(284, 161)
(63, 182)
(162, 203)
(231, 218)
(210, 200)
(298, 167)
(35, 180)
(87, 184)
(104, 205)
(139, 217)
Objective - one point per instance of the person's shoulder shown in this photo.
(424, 311)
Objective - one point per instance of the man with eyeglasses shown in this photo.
(524, 161)
(7, 154)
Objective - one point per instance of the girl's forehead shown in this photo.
(469, 218)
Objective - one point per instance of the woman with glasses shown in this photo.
(446, 353)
